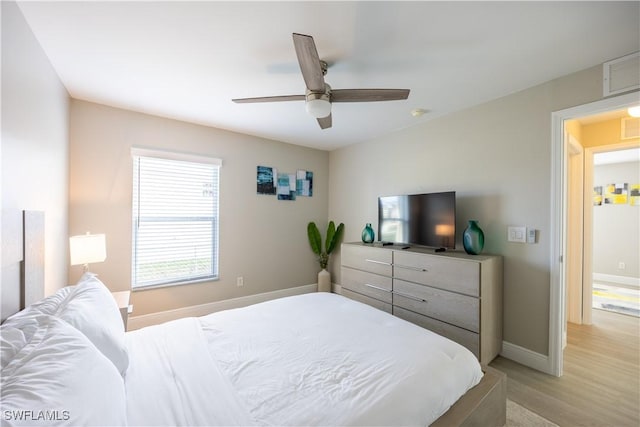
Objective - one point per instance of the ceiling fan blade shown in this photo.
(269, 99)
(368, 95)
(309, 62)
(325, 122)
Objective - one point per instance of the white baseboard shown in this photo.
(611, 278)
(525, 357)
(137, 322)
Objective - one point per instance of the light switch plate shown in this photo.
(517, 234)
(531, 235)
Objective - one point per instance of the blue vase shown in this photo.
(367, 234)
(473, 238)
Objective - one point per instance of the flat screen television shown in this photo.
(420, 219)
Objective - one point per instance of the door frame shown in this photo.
(575, 232)
(557, 253)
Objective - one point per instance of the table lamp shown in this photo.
(87, 248)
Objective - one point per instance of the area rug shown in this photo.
(519, 416)
(616, 298)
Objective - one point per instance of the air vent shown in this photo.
(630, 128)
(621, 75)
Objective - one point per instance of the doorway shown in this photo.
(602, 221)
(616, 229)
(559, 218)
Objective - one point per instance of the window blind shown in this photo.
(175, 219)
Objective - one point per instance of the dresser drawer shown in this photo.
(459, 310)
(374, 260)
(463, 337)
(369, 284)
(367, 300)
(438, 271)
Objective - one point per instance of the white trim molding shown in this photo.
(524, 356)
(137, 322)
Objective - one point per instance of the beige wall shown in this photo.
(34, 154)
(262, 239)
(497, 157)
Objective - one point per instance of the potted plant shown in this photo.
(331, 241)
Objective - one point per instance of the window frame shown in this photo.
(142, 152)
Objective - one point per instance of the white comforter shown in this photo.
(313, 359)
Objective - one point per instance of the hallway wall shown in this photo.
(616, 227)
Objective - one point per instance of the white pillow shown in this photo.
(18, 329)
(48, 305)
(24, 319)
(11, 342)
(89, 307)
(60, 378)
(92, 310)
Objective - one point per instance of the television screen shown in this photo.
(420, 219)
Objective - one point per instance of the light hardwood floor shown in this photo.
(601, 381)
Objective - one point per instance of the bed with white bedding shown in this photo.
(312, 359)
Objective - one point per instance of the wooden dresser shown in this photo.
(453, 294)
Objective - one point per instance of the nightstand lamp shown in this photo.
(87, 248)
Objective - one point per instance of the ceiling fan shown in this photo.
(319, 95)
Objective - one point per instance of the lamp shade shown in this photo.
(318, 108)
(318, 104)
(444, 230)
(87, 248)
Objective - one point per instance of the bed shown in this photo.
(311, 359)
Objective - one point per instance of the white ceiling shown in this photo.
(617, 156)
(187, 60)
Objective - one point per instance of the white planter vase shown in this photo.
(324, 281)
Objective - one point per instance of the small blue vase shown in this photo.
(367, 234)
(473, 238)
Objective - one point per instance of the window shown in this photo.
(175, 218)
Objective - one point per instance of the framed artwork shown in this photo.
(597, 195)
(304, 183)
(266, 180)
(616, 194)
(634, 195)
(286, 186)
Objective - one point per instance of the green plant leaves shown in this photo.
(333, 236)
(314, 238)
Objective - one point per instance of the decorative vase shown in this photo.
(473, 238)
(324, 281)
(368, 234)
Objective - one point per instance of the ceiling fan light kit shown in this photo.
(319, 96)
(318, 105)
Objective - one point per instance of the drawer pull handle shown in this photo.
(373, 261)
(410, 296)
(377, 287)
(408, 267)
